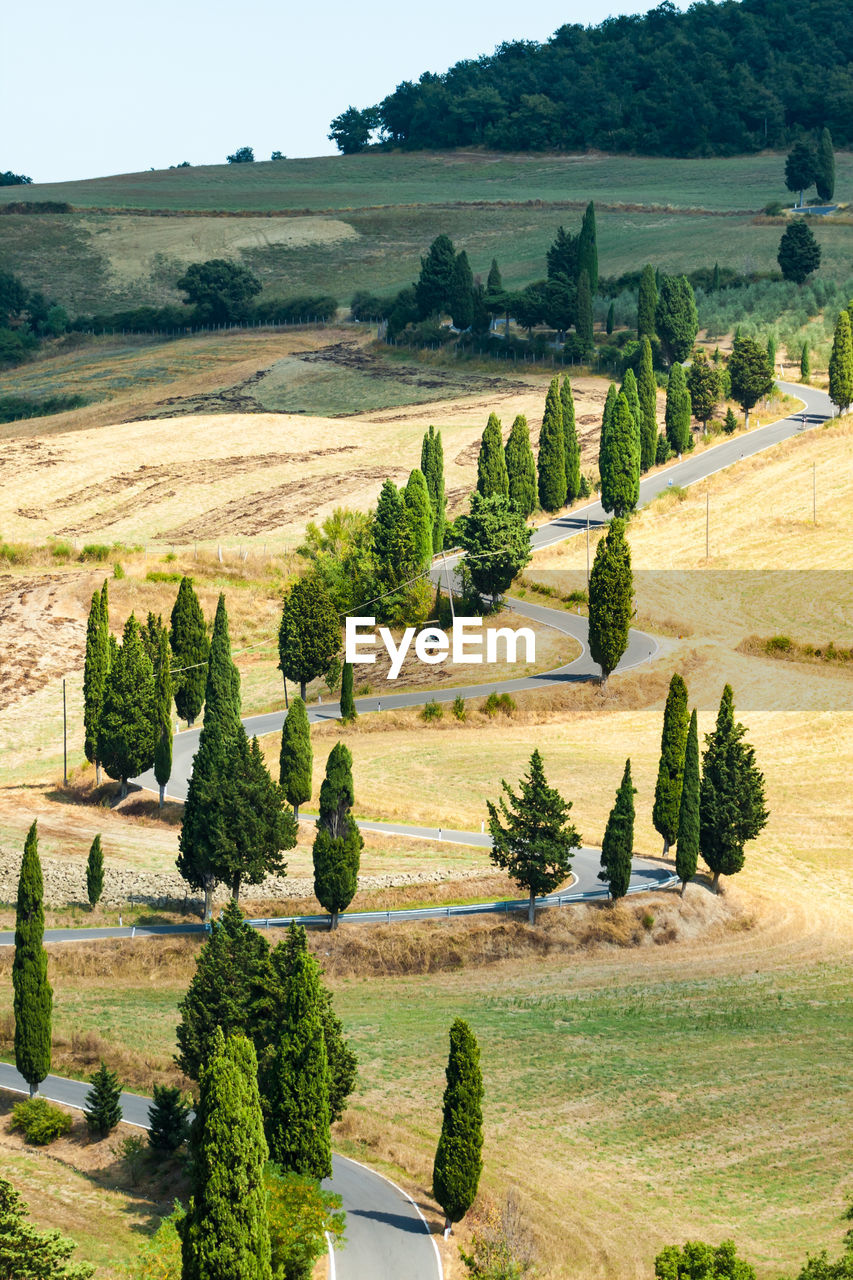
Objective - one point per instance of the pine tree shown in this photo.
(671, 766)
(348, 712)
(28, 1254)
(618, 842)
(800, 168)
(731, 795)
(33, 997)
(298, 1090)
(95, 674)
(687, 852)
(588, 249)
(168, 1119)
(825, 167)
(338, 842)
(521, 467)
(494, 282)
(750, 373)
(647, 301)
(461, 300)
(434, 289)
(95, 872)
(536, 844)
(705, 387)
(126, 736)
(310, 632)
(799, 253)
(583, 313)
(805, 364)
(458, 1158)
(611, 594)
(619, 460)
(497, 540)
(491, 465)
(163, 714)
(676, 318)
(103, 1103)
(432, 466)
(552, 452)
(730, 422)
(571, 446)
(190, 647)
(419, 511)
(841, 364)
(611, 316)
(648, 394)
(678, 411)
(225, 1235)
(297, 758)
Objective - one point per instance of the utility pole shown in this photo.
(587, 551)
(707, 526)
(814, 493)
(64, 737)
(449, 587)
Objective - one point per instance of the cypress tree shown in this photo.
(126, 735)
(648, 394)
(94, 680)
(494, 281)
(338, 842)
(825, 167)
(222, 687)
(225, 1235)
(771, 349)
(297, 758)
(611, 594)
(251, 825)
(687, 852)
(552, 452)
(678, 411)
(461, 300)
(163, 714)
(583, 313)
(298, 1094)
(647, 301)
(611, 316)
(419, 511)
(750, 374)
(731, 794)
(33, 998)
(618, 842)
(705, 387)
(103, 1103)
(434, 288)
(432, 465)
(190, 647)
(676, 318)
(168, 1119)
(28, 1254)
(491, 465)
(841, 365)
(619, 461)
(310, 631)
(388, 510)
(95, 872)
(730, 422)
(805, 364)
(458, 1158)
(571, 447)
(715, 279)
(671, 767)
(348, 711)
(521, 467)
(588, 250)
(629, 390)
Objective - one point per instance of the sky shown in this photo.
(96, 87)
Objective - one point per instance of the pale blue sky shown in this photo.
(92, 88)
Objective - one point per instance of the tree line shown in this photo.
(619, 86)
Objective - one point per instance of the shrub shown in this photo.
(779, 644)
(96, 551)
(169, 1119)
(15, 552)
(132, 1151)
(118, 570)
(773, 209)
(663, 453)
(459, 707)
(14, 407)
(579, 596)
(39, 1122)
(61, 550)
(432, 710)
(159, 575)
(499, 702)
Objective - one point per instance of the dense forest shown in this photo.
(718, 79)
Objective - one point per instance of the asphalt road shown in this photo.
(404, 1245)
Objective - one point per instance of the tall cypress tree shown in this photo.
(222, 687)
(731, 795)
(805, 364)
(432, 466)
(225, 1235)
(588, 249)
(388, 510)
(687, 852)
(348, 711)
(434, 289)
(629, 390)
(33, 999)
(126, 734)
(825, 167)
(297, 757)
(647, 301)
(678, 411)
(552, 452)
(671, 767)
(190, 647)
(338, 842)
(841, 364)
(298, 1082)
(571, 447)
(461, 300)
(163, 714)
(619, 461)
(521, 467)
(95, 872)
(611, 596)
(648, 394)
(494, 280)
(583, 313)
(419, 511)
(611, 317)
(458, 1158)
(251, 824)
(618, 842)
(676, 317)
(95, 674)
(491, 465)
